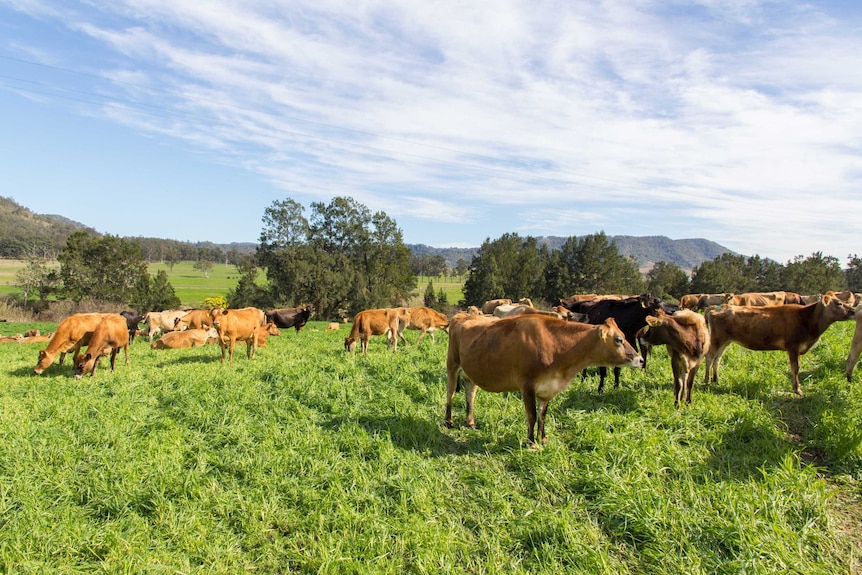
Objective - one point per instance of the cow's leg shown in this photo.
(603, 373)
(617, 371)
(114, 351)
(855, 350)
(62, 357)
(713, 360)
(794, 371)
(126, 348)
(470, 397)
(543, 410)
(528, 394)
(451, 388)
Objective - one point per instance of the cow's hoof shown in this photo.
(450, 425)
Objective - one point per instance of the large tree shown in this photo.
(106, 268)
(510, 266)
(667, 279)
(342, 258)
(814, 274)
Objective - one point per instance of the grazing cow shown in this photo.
(333, 326)
(72, 333)
(534, 354)
(112, 332)
(689, 301)
(386, 321)
(758, 298)
(855, 345)
(194, 319)
(235, 325)
(710, 299)
(161, 321)
(294, 317)
(264, 331)
(687, 339)
(132, 321)
(426, 320)
(194, 337)
(792, 328)
(630, 315)
(490, 305)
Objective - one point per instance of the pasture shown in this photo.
(307, 459)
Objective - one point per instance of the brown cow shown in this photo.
(687, 339)
(112, 332)
(855, 345)
(161, 321)
(195, 337)
(11, 338)
(846, 296)
(72, 333)
(385, 321)
(710, 299)
(333, 326)
(689, 301)
(194, 319)
(426, 320)
(792, 328)
(36, 338)
(758, 298)
(264, 331)
(490, 305)
(235, 325)
(534, 354)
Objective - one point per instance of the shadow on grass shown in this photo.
(424, 436)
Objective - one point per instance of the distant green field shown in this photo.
(192, 287)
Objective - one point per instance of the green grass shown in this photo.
(309, 460)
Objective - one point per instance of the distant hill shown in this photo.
(646, 250)
(22, 231)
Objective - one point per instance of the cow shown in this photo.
(194, 337)
(534, 354)
(792, 328)
(132, 321)
(511, 310)
(294, 317)
(758, 298)
(161, 321)
(235, 325)
(264, 331)
(847, 296)
(11, 338)
(793, 297)
(426, 320)
(72, 333)
(567, 302)
(710, 299)
(386, 321)
(490, 305)
(855, 345)
(689, 301)
(194, 319)
(687, 339)
(35, 338)
(333, 326)
(630, 315)
(112, 332)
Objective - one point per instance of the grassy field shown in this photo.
(192, 287)
(309, 460)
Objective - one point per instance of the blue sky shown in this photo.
(739, 121)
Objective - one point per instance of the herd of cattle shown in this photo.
(506, 346)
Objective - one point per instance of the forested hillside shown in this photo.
(23, 232)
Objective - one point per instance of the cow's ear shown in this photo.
(653, 321)
(88, 357)
(827, 297)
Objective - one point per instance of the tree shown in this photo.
(430, 298)
(853, 273)
(726, 273)
(247, 292)
(36, 277)
(509, 266)
(154, 293)
(667, 279)
(203, 266)
(814, 274)
(105, 268)
(590, 264)
(343, 257)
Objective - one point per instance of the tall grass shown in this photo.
(307, 459)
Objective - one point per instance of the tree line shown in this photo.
(342, 258)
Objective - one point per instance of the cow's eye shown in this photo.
(619, 340)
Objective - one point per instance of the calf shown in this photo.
(855, 345)
(195, 337)
(72, 333)
(235, 325)
(792, 328)
(687, 339)
(263, 332)
(386, 321)
(426, 320)
(132, 321)
(536, 355)
(112, 332)
(194, 319)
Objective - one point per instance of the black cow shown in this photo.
(294, 317)
(132, 321)
(630, 315)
